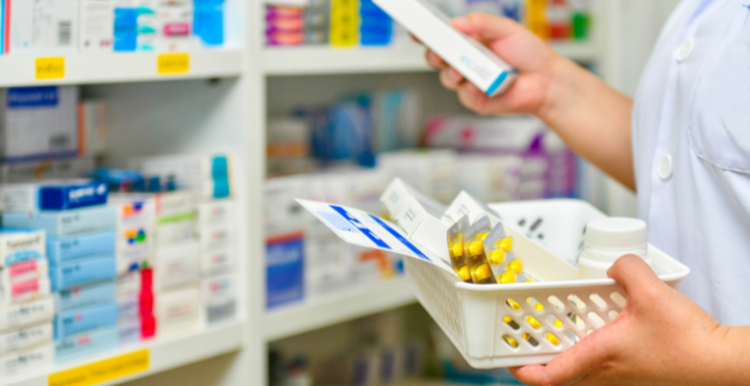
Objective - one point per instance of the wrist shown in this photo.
(560, 91)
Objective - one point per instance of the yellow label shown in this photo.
(102, 371)
(171, 64)
(49, 68)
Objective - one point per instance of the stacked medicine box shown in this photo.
(207, 178)
(26, 309)
(81, 255)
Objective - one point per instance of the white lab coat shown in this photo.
(691, 144)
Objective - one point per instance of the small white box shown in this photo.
(215, 212)
(21, 245)
(21, 314)
(177, 264)
(26, 291)
(178, 311)
(174, 23)
(215, 236)
(26, 360)
(44, 27)
(97, 19)
(174, 204)
(128, 285)
(466, 205)
(25, 337)
(38, 122)
(477, 63)
(217, 261)
(24, 271)
(425, 226)
(398, 193)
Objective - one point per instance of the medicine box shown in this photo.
(129, 331)
(217, 261)
(86, 245)
(86, 344)
(128, 284)
(477, 63)
(135, 242)
(84, 296)
(78, 272)
(96, 26)
(92, 124)
(25, 291)
(398, 193)
(44, 27)
(25, 337)
(177, 264)
(26, 360)
(215, 212)
(13, 316)
(72, 195)
(174, 23)
(38, 122)
(215, 236)
(219, 297)
(186, 166)
(426, 227)
(19, 245)
(285, 270)
(47, 169)
(128, 307)
(68, 323)
(174, 205)
(63, 223)
(466, 205)
(133, 208)
(23, 272)
(178, 311)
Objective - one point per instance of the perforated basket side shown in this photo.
(438, 295)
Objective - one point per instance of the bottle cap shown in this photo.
(617, 233)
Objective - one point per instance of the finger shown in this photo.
(435, 61)
(486, 27)
(473, 98)
(634, 275)
(451, 79)
(415, 38)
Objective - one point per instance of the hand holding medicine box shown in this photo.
(476, 62)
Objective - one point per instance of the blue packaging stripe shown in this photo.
(68, 323)
(220, 167)
(85, 296)
(86, 344)
(63, 249)
(33, 97)
(221, 188)
(80, 272)
(496, 84)
(72, 196)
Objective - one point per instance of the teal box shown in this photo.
(61, 249)
(85, 271)
(84, 296)
(73, 322)
(64, 223)
(86, 344)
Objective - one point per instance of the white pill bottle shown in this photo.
(607, 240)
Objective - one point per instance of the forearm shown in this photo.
(592, 118)
(731, 363)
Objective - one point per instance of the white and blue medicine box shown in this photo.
(63, 223)
(80, 272)
(69, 323)
(86, 344)
(84, 296)
(61, 249)
(19, 245)
(74, 195)
(285, 271)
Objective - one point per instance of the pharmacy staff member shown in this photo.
(684, 146)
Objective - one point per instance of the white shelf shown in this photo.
(298, 319)
(119, 67)
(320, 60)
(164, 354)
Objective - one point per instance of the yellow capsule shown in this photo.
(509, 340)
(530, 339)
(534, 303)
(533, 322)
(496, 257)
(552, 339)
(508, 320)
(529, 281)
(457, 249)
(539, 307)
(515, 266)
(475, 248)
(512, 303)
(506, 244)
(483, 272)
(507, 278)
(482, 236)
(464, 274)
(557, 323)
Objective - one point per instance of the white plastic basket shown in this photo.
(473, 316)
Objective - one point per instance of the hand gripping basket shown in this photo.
(530, 323)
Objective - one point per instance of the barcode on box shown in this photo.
(64, 30)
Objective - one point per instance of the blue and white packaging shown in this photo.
(78, 272)
(86, 344)
(38, 122)
(84, 296)
(68, 323)
(3, 27)
(128, 307)
(19, 245)
(129, 331)
(63, 223)
(72, 195)
(62, 249)
(25, 337)
(13, 316)
(285, 270)
(187, 166)
(219, 298)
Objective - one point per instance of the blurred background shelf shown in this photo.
(297, 319)
(119, 67)
(165, 354)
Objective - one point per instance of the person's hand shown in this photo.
(660, 338)
(529, 55)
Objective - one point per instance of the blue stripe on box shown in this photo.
(496, 84)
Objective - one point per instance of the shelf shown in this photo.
(164, 354)
(301, 318)
(119, 68)
(320, 60)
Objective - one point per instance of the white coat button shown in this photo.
(686, 48)
(665, 167)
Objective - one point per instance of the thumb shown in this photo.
(633, 275)
(486, 27)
